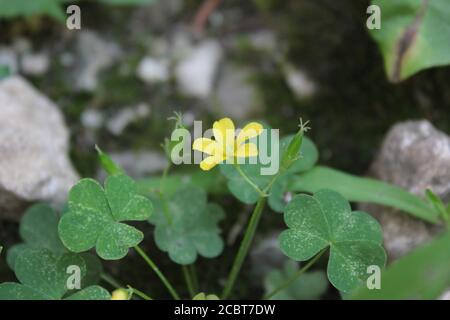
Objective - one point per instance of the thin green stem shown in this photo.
(139, 293)
(297, 275)
(189, 281)
(110, 280)
(153, 266)
(244, 247)
(194, 277)
(261, 193)
(162, 195)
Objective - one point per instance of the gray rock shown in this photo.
(9, 58)
(33, 149)
(153, 70)
(299, 82)
(196, 72)
(95, 55)
(415, 156)
(35, 64)
(138, 164)
(92, 119)
(266, 255)
(234, 93)
(117, 124)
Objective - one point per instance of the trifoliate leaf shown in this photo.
(308, 286)
(246, 193)
(325, 220)
(203, 296)
(39, 230)
(44, 276)
(95, 216)
(189, 227)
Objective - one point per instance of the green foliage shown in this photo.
(95, 217)
(187, 225)
(326, 220)
(39, 230)
(246, 193)
(413, 36)
(203, 296)
(108, 164)
(52, 8)
(310, 285)
(363, 190)
(27, 8)
(422, 274)
(43, 276)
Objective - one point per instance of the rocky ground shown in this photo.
(115, 82)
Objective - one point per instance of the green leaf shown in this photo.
(203, 296)
(27, 8)
(326, 220)
(422, 274)
(247, 194)
(363, 190)
(39, 230)
(108, 164)
(310, 285)
(193, 229)
(44, 276)
(95, 216)
(128, 2)
(413, 36)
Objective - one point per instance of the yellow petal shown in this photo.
(208, 163)
(119, 294)
(247, 150)
(224, 131)
(251, 130)
(205, 145)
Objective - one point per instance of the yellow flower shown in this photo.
(226, 145)
(120, 294)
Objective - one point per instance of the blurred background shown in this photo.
(132, 64)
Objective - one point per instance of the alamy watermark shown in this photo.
(230, 147)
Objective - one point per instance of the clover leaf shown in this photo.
(326, 220)
(95, 216)
(310, 285)
(244, 192)
(193, 227)
(44, 276)
(39, 230)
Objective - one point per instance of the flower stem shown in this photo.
(245, 245)
(110, 280)
(162, 196)
(194, 277)
(261, 193)
(139, 293)
(288, 282)
(153, 266)
(189, 280)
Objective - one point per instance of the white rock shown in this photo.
(33, 149)
(92, 119)
(299, 82)
(195, 73)
(96, 54)
(140, 164)
(9, 58)
(35, 64)
(117, 124)
(152, 70)
(264, 40)
(234, 93)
